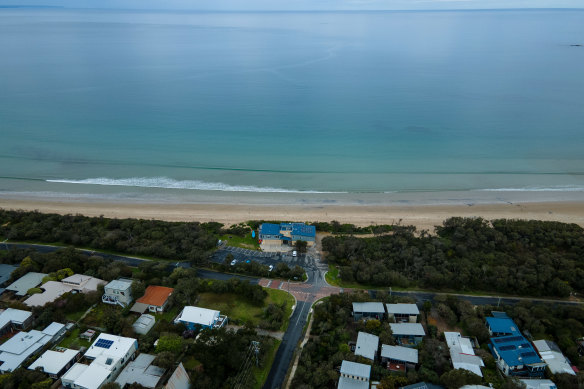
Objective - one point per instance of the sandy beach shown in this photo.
(421, 216)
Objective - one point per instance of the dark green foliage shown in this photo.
(274, 316)
(190, 241)
(457, 378)
(21, 378)
(301, 246)
(533, 258)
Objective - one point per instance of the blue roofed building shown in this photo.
(514, 355)
(286, 233)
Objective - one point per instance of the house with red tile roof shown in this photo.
(154, 300)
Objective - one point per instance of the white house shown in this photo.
(462, 353)
(52, 290)
(552, 355)
(25, 344)
(354, 376)
(141, 371)
(108, 355)
(56, 362)
(367, 345)
(118, 292)
(193, 317)
(11, 319)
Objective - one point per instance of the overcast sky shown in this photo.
(228, 5)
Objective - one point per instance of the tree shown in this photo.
(457, 378)
(392, 382)
(171, 343)
(301, 246)
(111, 385)
(165, 360)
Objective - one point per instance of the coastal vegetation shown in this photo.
(532, 258)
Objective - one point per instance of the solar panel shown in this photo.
(529, 354)
(507, 348)
(524, 345)
(104, 343)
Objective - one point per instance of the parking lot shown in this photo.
(265, 258)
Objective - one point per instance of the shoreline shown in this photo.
(420, 216)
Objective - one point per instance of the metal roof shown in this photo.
(5, 272)
(141, 371)
(538, 384)
(404, 309)
(503, 325)
(12, 315)
(411, 329)
(121, 284)
(53, 361)
(367, 345)
(369, 307)
(198, 315)
(26, 282)
(399, 353)
(515, 350)
(462, 353)
(356, 369)
(303, 230)
(349, 383)
(179, 379)
(551, 354)
(270, 229)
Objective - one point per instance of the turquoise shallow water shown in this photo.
(127, 104)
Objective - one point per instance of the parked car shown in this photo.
(294, 253)
(233, 262)
(271, 267)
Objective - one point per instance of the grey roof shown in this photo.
(5, 272)
(411, 329)
(179, 379)
(368, 307)
(356, 369)
(422, 385)
(142, 372)
(367, 345)
(552, 355)
(120, 284)
(348, 383)
(399, 353)
(139, 307)
(24, 283)
(405, 309)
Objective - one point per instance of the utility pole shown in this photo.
(256, 350)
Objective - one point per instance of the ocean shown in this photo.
(292, 107)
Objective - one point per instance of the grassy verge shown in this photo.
(261, 375)
(240, 310)
(73, 341)
(245, 242)
(75, 316)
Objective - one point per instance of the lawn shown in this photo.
(239, 309)
(73, 341)
(246, 242)
(261, 375)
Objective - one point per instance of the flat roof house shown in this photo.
(56, 362)
(141, 371)
(25, 344)
(398, 358)
(154, 300)
(193, 317)
(408, 334)
(367, 345)
(369, 310)
(108, 355)
(118, 292)
(403, 313)
(553, 356)
(52, 290)
(30, 280)
(14, 319)
(514, 355)
(354, 376)
(501, 325)
(462, 353)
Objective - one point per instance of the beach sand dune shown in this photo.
(421, 216)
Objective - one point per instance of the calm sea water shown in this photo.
(128, 103)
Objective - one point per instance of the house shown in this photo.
(397, 358)
(179, 379)
(141, 371)
(23, 345)
(462, 353)
(118, 292)
(408, 334)
(56, 362)
(367, 345)
(14, 319)
(552, 355)
(501, 325)
(154, 300)
(108, 355)
(5, 273)
(354, 376)
(422, 385)
(28, 281)
(403, 313)
(144, 324)
(52, 290)
(286, 233)
(514, 355)
(193, 317)
(538, 384)
(369, 310)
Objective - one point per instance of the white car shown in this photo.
(271, 267)
(294, 253)
(233, 262)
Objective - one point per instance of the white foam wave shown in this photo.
(564, 188)
(169, 183)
